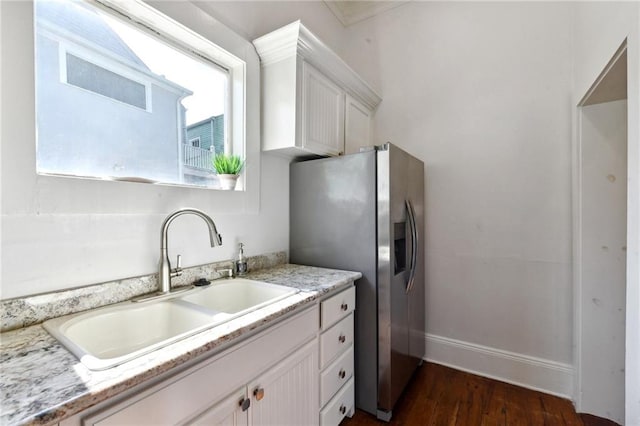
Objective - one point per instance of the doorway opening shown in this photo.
(600, 242)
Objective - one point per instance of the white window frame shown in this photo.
(246, 200)
(196, 139)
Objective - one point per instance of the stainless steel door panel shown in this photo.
(333, 225)
(332, 213)
(384, 282)
(395, 365)
(417, 324)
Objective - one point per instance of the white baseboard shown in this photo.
(533, 373)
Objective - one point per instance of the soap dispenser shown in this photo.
(241, 263)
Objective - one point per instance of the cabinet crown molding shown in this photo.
(296, 40)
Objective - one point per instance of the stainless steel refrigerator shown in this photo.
(365, 212)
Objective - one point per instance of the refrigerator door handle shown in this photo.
(414, 244)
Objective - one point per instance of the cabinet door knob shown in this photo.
(245, 403)
(342, 374)
(344, 306)
(258, 393)
(342, 338)
(343, 409)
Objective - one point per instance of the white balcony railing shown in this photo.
(197, 158)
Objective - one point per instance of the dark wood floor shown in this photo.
(439, 396)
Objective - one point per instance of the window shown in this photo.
(146, 103)
(99, 80)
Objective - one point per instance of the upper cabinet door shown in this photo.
(357, 131)
(304, 85)
(322, 113)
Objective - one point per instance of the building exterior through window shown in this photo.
(107, 109)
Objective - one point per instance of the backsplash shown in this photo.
(30, 310)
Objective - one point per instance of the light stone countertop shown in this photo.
(43, 383)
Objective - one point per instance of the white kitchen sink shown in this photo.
(238, 296)
(106, 337)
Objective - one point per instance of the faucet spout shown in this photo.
(164, 266)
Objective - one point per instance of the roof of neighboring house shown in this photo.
(78, 19)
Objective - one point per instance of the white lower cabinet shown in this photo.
(274, 374)
(282, 396)
(335, 376)
(232, 411)
(337, 398)
(288, 393)
(298, 372)
(341, 405)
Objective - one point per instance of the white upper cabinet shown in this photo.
(357, 130)
(323, 113)
(312, 102)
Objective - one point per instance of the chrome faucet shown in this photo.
(165, 273)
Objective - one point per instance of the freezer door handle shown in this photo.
(414, 244)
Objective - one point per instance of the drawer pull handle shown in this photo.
(258, 393)
(342, 338)
(343, 409)
(344, 306)
(342, 374)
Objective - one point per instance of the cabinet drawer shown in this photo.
(336, 375)
(340, 406)
(336, 307)
(336, 340)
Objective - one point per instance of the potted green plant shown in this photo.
(228, 168)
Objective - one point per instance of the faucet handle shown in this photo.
(177, 271)
(224, 272)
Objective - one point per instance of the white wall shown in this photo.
(599, 29)
(480, 92)
(60, 233)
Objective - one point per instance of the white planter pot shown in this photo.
(228, 181)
